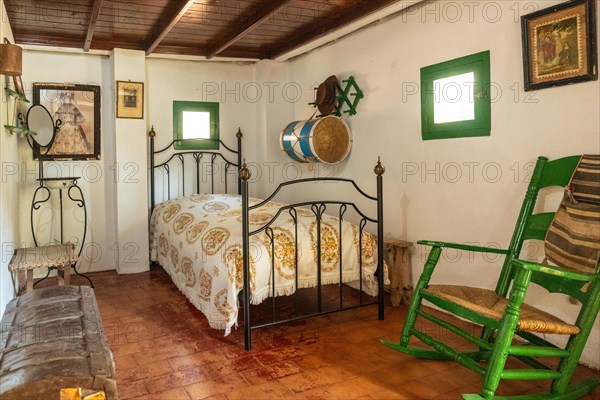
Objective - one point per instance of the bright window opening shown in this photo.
(454, 98)
(196, 125)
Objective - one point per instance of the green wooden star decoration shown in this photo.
(348, 97)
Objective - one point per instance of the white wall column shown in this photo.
(9, 185)
(131, 172)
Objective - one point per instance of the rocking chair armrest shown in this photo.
(556, 271)
(460, 246)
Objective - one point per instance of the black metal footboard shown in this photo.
(177, 159)
(318, 208)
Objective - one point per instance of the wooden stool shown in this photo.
(396, 258)
(60, 257)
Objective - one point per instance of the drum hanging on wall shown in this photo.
(327, 140)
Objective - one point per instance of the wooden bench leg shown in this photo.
(60, 276)
(29, 280)
(67, 274)
(21, 279)
(396, 257)
(395, 278)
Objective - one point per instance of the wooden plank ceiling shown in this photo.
(254, 29)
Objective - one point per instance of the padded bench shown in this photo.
(53, 338)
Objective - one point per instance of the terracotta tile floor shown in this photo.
(164, 349)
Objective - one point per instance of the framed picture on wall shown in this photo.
(559, 45)
(78, 109)
(130, 99)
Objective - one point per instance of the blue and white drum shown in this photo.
(327, 140)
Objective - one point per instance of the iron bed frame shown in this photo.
(318, 207)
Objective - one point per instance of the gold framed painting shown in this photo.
(130, 99)
(559, 45)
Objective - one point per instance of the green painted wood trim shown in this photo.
(461, 358)
(538, 226)
(16, 95)
(537, 351)
(559, 172)
(455, 329)
(416, 351)
(460, 246)
(555, 271)
(432, 354)
(516, 242)
(554, 284)
(506, 332)
(479, 64)
(579, 389)
(415, 304)
(529, 374)
(575, 345)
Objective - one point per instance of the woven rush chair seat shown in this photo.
(489, 304)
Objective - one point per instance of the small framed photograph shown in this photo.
(130, 99)
(78, 109)
(559, 45)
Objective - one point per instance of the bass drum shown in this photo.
(327, 140)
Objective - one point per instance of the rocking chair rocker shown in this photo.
(574, 245)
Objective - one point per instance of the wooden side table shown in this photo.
(397, 259)
(60, 257)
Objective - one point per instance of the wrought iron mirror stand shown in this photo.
(41, 131)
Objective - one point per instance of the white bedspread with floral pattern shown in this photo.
(198, 241)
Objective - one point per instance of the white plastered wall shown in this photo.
(9, 179)
(461, 190)
(233, 85)
(131, 166)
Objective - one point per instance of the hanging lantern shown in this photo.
(11, 59)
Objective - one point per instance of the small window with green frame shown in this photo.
(455, 98)
(195, 125)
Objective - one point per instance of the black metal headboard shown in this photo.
(197, 156)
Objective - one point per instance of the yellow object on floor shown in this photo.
(81, 394)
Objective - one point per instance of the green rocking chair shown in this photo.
(502, 313)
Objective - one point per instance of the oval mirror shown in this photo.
(40, 121)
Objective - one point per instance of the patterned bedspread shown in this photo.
(198, 241)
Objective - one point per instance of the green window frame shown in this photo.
(481, 125)
(179, 107)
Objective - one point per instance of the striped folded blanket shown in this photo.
(573, 239)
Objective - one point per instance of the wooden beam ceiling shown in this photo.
(248, 25)
(185, 5)
(252, 29)
(92, 25)
(329, 25)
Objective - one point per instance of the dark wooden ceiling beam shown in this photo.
(261, 15)
(330, 24)
(165, 31)
(32, 37)
(92, 25)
